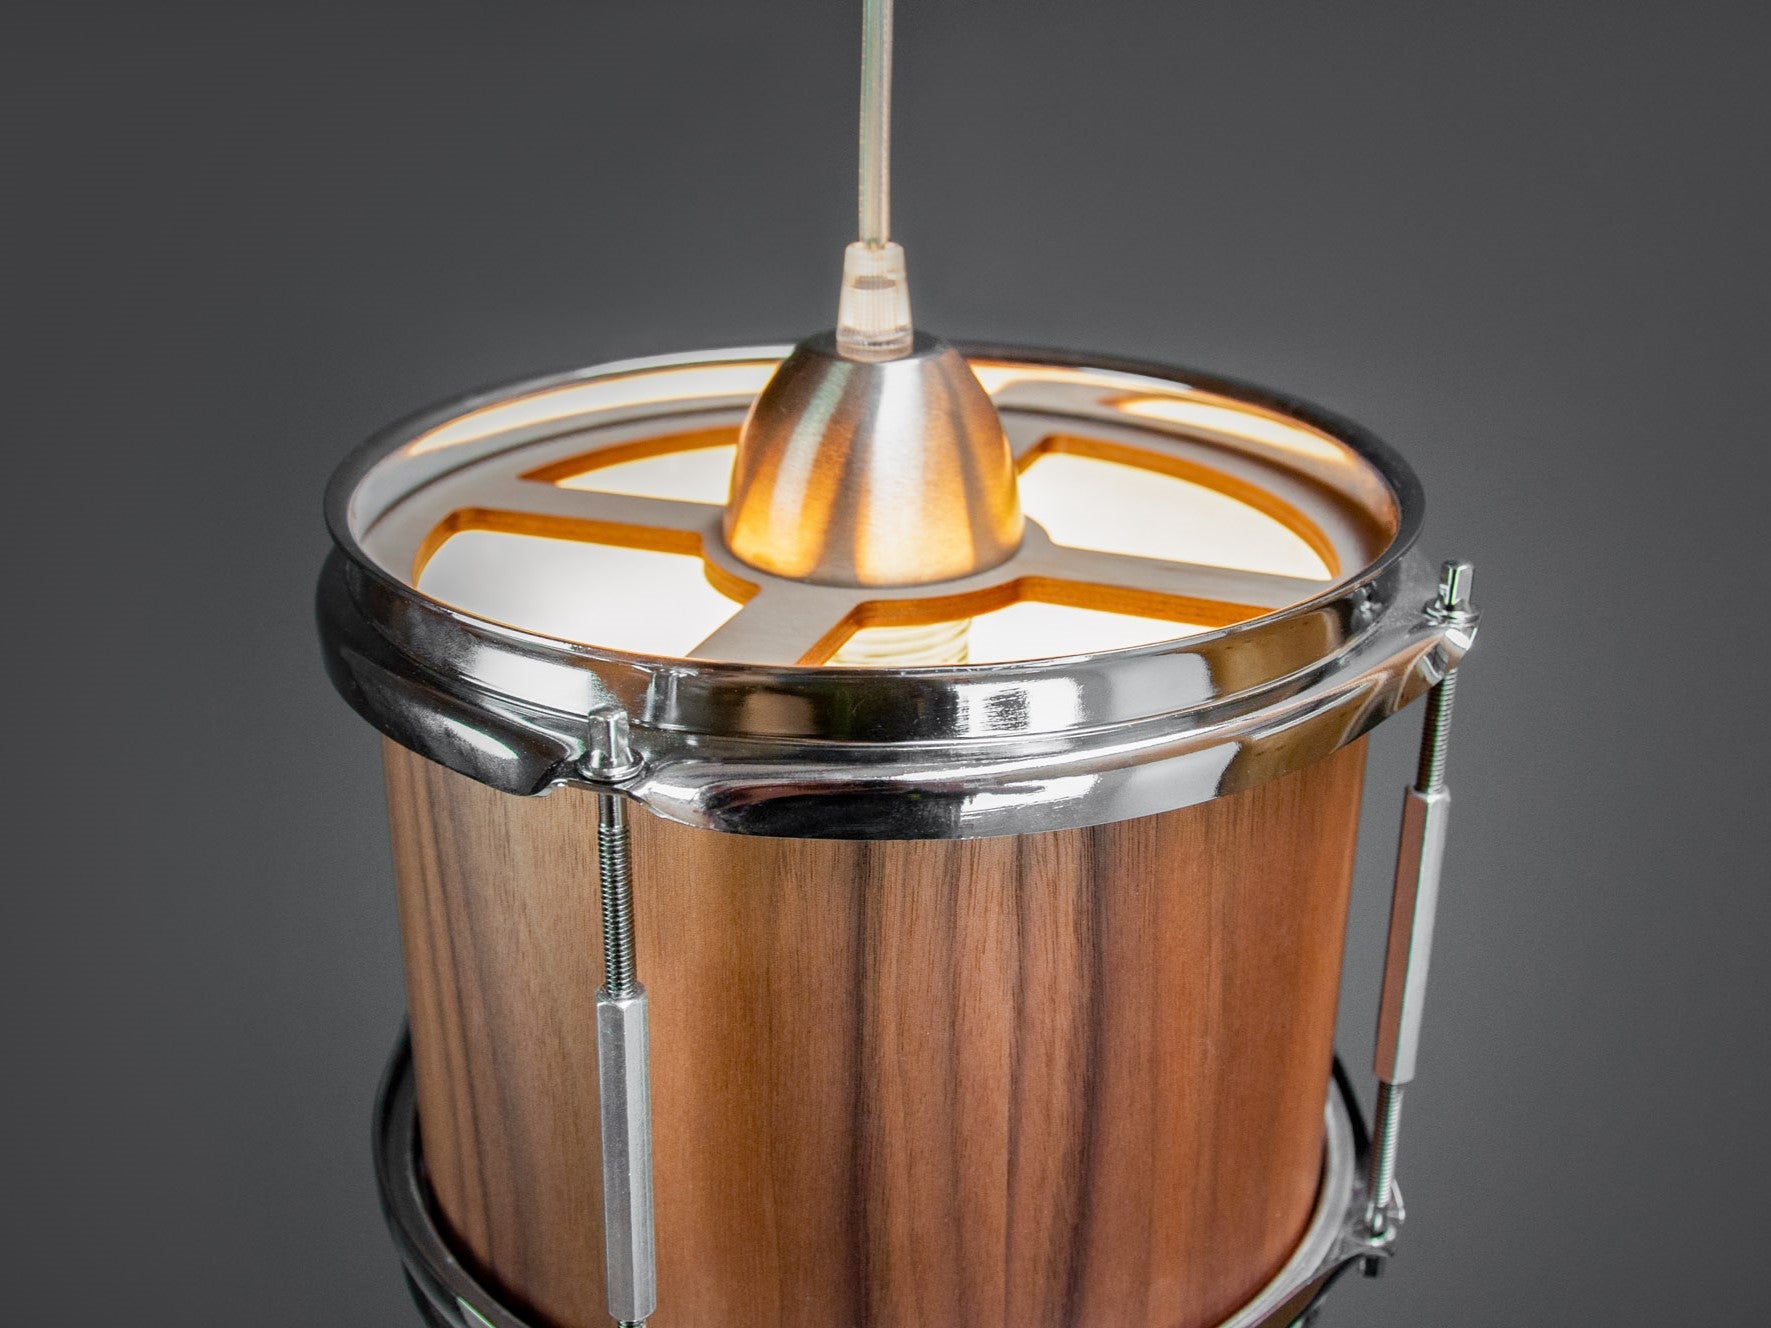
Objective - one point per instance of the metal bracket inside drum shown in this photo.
(450, 1295)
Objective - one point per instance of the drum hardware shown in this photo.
(622, 1047)
(741, 747)
(1420, 856)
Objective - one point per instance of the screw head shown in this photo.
(608, 746)
(1453, 600)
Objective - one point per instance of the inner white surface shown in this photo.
(662, 603)
(599, 594)
(1090, 503)
(699, 475)
(1031, 630)
(624, 385)
(1082, 501)
(1024, 631)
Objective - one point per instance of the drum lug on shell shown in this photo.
(623, 1048)
(1419, 857)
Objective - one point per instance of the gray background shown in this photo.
(1525, 242)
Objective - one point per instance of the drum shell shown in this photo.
(1023, 1081)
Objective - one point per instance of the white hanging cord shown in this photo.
(876, 122)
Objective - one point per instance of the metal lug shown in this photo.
(624, 1082)
(1419, 859)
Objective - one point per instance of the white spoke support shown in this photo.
(780, 624)
(536, 498)
(1198, 581)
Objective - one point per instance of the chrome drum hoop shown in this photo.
(930, 753)
(450, 1295)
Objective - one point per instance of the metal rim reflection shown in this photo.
(944, 752)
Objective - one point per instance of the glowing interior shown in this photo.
(662, 603)
(1083, 501)
(1031, 630)
(1027, 630)
(1090, 503)
(643, 385)
(599, 594)
(698, 475)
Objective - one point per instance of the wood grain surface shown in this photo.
(1057, 1079)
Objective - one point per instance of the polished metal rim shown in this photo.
(452, 1296)
(797, 750)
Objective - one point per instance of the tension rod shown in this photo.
(1426, 810)
(622, 1049)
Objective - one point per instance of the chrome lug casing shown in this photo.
(786, 748)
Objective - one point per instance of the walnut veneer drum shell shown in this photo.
(1032, 1080)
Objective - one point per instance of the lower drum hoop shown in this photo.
(450, 1296)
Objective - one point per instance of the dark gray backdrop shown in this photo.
(1525, 242)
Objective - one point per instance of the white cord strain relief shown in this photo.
(873, 316)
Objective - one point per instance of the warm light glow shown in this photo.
(1026, 630)
(661, 603)
(1103, 492)
(657, 387)
(635, 600)
(997, 376)
(695, 475)
(1238, 420)
(1090, 503)
(1031, 630)
(905, 647)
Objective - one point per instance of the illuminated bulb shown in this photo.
(921, 645)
